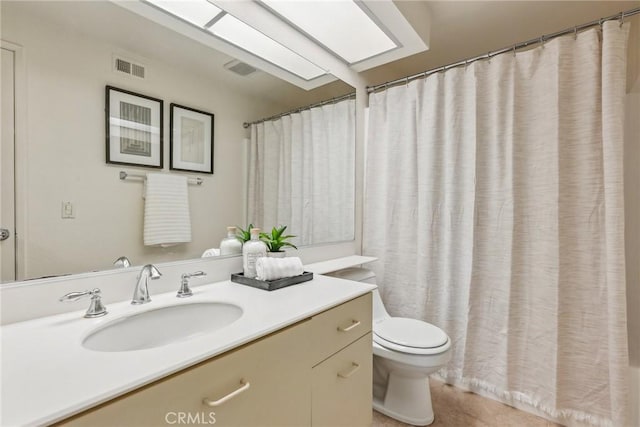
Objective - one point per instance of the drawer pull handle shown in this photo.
(351, 371)
(354, 324)
(244, 387)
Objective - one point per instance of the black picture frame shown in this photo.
(191, 150)
(134, 128)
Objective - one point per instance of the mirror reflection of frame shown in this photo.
(191, 139)
(133, 128)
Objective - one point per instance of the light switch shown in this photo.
(67, 210)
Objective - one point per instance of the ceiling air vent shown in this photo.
(240, 68)
(129, 67)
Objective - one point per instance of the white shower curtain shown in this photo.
(494, 201)
(302, 173)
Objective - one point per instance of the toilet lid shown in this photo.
(410, 333)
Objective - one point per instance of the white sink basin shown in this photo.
(162, 326)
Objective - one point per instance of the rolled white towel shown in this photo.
(277, 268)
(211, 252)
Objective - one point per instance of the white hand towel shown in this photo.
(211, 252)
(166, 210)
(277, 268)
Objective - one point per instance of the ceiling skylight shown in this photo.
(245, 37)
(341, 26)
(307, 43)
(197, 12)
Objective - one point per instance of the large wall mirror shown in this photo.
(72, 211)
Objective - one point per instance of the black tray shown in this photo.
(271, 285)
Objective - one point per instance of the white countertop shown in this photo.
(47, 375)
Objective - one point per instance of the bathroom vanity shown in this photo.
(299, 356)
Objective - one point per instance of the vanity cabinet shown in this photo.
(342, 372)
(316, 372)
(270, 378)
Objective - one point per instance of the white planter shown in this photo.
(280, 254)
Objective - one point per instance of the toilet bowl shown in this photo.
(405, 352)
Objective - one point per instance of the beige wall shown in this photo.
(66, 74)
(631, 192)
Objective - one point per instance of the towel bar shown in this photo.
(125, 175)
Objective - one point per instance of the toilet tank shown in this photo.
(364, 275)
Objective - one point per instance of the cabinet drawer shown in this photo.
(338, 327)
(342, 387)
(278, 392)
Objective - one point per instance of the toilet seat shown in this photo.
(410, 336)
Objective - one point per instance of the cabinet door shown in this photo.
(267, 382)
(341, 391)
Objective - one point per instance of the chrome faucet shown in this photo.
(185, 291)
(96, 308)
(141, 292)
(122, 262)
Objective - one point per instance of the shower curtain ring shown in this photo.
(406, 82)
(542, 41)
(621, 19)
(514, 50)
(575, 32)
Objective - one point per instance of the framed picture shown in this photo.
(134, 128)
(191, 139)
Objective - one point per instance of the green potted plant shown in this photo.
(276, 241)
(244, 235)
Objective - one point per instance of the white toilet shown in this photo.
(405, 352)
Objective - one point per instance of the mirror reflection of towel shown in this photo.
(211, 252)
(166, 210)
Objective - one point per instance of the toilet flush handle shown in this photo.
(354, 324)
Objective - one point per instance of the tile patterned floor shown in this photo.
(454, 407)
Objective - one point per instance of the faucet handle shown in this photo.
(185, 291)
(194, 274)
(96, 308)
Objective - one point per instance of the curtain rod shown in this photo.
(297, 110)
(619, 16)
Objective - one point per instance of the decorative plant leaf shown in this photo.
(277, 232)
(275, 240)
(244, 235)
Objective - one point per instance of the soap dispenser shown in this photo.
(251, 251)
(230, 245)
